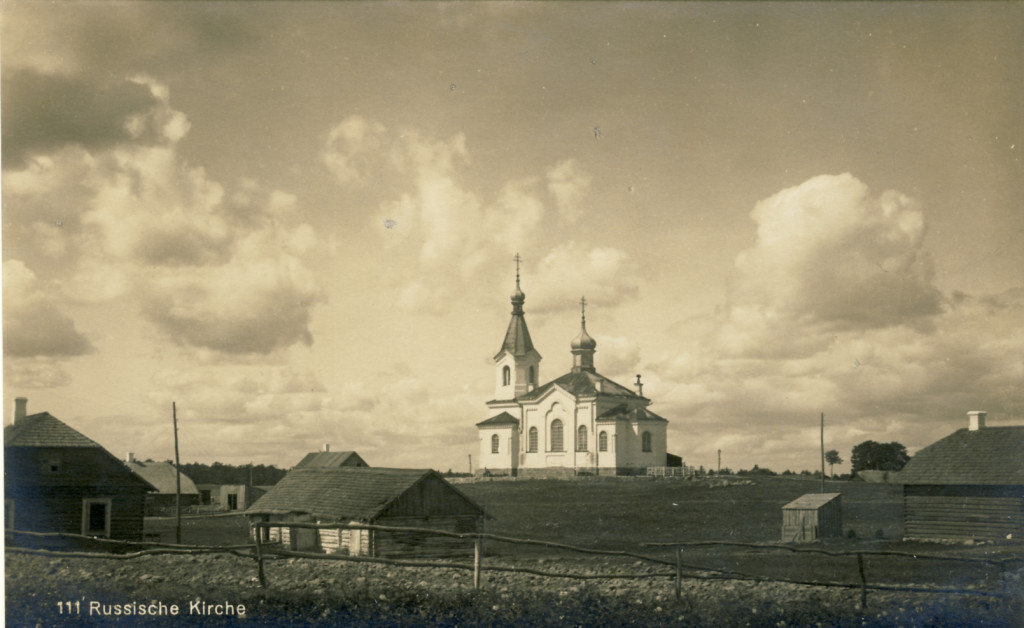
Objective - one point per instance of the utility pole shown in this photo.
(471, 464)
(822, 452)
(177, 476)
(719, 472)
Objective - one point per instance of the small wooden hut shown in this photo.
(370, 495)
(811, 517)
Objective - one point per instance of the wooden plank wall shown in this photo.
(963, 517)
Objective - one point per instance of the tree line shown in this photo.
(219, 473)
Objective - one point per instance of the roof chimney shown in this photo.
(131, 457)
(327, 447)
(639, 386)
(976, 420)
(20, 408)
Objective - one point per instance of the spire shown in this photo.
(517, 337)
(583, 346)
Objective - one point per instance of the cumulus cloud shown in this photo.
(568, 184)
(211, 268)
(33, 324)
(830, 257)
(442, 236)
(353, 148)
(606, 276)
(43, 112)
(834, 310)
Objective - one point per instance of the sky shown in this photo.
(296, 222)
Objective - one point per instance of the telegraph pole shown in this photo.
(822, 452)
(177, 476)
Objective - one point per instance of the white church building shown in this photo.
(580, 423)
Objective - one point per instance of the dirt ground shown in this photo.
(224, 590)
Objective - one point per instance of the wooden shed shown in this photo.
(811, 517)
(391, 497)
(56, 479)
(164, 476)
(967, 486)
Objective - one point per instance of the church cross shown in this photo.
(583, 308)
(517, 260)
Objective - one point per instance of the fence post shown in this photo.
(478, 541)
(679, 573)
(257, 528)
(863, 582)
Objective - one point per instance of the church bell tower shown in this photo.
(517, 362)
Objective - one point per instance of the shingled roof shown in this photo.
(988, 456)
(332, 459)
(45, 430)
(583, 383)
(162, 475)
(346, 493)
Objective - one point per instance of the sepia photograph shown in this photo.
(512, 313)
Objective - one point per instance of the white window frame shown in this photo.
(89, 501)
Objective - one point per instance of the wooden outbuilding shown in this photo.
(327, 458)
(967, 486)
(56, 479)
(163, 476)
(811, 517)
(369, 495)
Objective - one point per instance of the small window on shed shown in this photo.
(495, 441)
(645, 441)
(602, 441)
(581, 438)
(532, 440)
(506, 376)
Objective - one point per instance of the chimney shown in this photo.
(20, 408)
(327, 448)
(131, 457)
(976, 420)
(639, 386)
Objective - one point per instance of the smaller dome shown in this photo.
(518, 295)
(583, 341)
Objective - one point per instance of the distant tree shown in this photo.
(870, 455)
(832, 458)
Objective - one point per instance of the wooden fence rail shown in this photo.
(261, 552)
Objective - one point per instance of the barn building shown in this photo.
(328, 458)
(368, 495)
(967, 486)
(164, 477)
(578, 423)
(56, 479)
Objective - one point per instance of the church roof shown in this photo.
(622, 411)
(583, 383)
(517, 337)
(500, 419)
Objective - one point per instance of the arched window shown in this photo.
(645, 440)
(556, 435)
(532, 443)
(533, 376)
(602, 441)
(494, 443)
(581, 438)
(506, 376)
